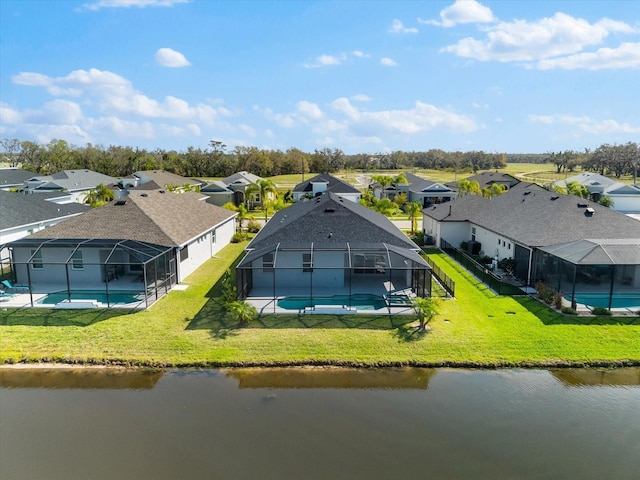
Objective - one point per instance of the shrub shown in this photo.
(507, 265)
(418, 238)
(253, 226)
(545, 292)
(238, 237)
(228, 287)
(569, 311)
(600, 311)
(485, 260)
(557, 300)
(464, 246)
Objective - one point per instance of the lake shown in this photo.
(319, 423)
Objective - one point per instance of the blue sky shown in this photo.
(364, 77)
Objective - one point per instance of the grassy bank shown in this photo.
(190, 327)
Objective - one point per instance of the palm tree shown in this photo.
(263, 187)
(243, 312)
(99, 196)
(426, 309)
(413, 209)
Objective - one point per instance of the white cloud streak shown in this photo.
(100, 4)
(398, 27)
(587, 124)
(462, 11)
(167, 57)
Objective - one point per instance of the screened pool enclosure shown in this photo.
(66, 267)
(315, 269)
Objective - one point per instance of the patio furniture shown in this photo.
(14, 288)
(4, 296)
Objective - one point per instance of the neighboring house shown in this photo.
(146, 180)
(328, 245)
(233, 189)
(626, 198)
(149, 241)
(13, 178)
(417, 189)
(73, 185)
(575, 245)
(325, 183)
(487, 179)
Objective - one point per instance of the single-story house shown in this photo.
(327, 246)
(417, 189)
(487, 179)
(13, 177)
(580, 248)
(233, 189)
(145, 243)
(626, 198)
(73, 185)
(325, 183)
(145, 180)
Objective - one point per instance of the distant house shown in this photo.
(626, 198)
(147, 242)
(13, 178)
(233, 189)
(72, 185)
(417, 189)
(575, 245)
(487, 179)
(327, 246)
(145, 180)
(325, 183)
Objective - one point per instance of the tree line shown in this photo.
(217, 160)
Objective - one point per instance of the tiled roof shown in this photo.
(533, 216)
(328, 219)
(18, 209)
(166, 219)
(334, 185)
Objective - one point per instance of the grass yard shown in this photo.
(191, 328)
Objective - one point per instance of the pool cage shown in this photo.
(590, 269)
(317, 270)
(105, 267)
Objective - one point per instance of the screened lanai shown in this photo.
(593, 273)
(100, 273)
(316, 269)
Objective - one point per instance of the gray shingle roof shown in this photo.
(243, 177)
(329, 219)
(486, 179)
(17, 209)
(13, 176)
(419, 185)
(163, 178)
(334, 185)
(532, 216)
(168, 219)
(73, 180)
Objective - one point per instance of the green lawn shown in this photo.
(191, 328)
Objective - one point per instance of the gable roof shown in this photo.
(486, 179)
(597, 183)
(329, 219)
(10, 177)
(71, 180)
(422, 185)
(162, 178)
(334, 185)
(533, 216)
(168, 219)
(243, 178)
(18, 209)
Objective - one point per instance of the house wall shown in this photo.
(90, 273)
(626, 203)
(219, 199)
(452, 232)
(204, 247)
(492, 244)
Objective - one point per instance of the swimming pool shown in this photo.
(360, 302)
(116, 297)
(619, 300)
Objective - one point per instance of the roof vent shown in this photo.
(119, 203)
(555, 197)
(161, 191)
(329, 210)
(589, 211)
(144, 195)
(583, 205)
(527, 193)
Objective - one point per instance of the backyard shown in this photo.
(191, 328)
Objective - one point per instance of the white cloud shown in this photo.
(309, 111)
(525, 41)
(167, 57)
(9, 115)
(587, 124)
(388, 62)
(626, 55)
(462, 11)
(359, 54)
(323, 61)
(398, 27)
(361, 98)
(99, 4)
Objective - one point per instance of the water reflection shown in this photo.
(583, 377)
(368, 378)
(89, 378)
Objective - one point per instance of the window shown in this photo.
(184, 253)
(369, 263)
(76, 260)
(473, 230)
(36, 260)
(267, 262)
(306, 263)
(213, 237)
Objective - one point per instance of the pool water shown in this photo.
(619, 300)
(117, 297)
(360, 302)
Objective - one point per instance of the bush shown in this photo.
(238, 237)
(545, 292)
(418, 238)
(600, 311)
(253, 226)
(557, 300)
(485, 260)
(464, 246)
(569, 311)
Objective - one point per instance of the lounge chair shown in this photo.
(4, 296)
(14, 288)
